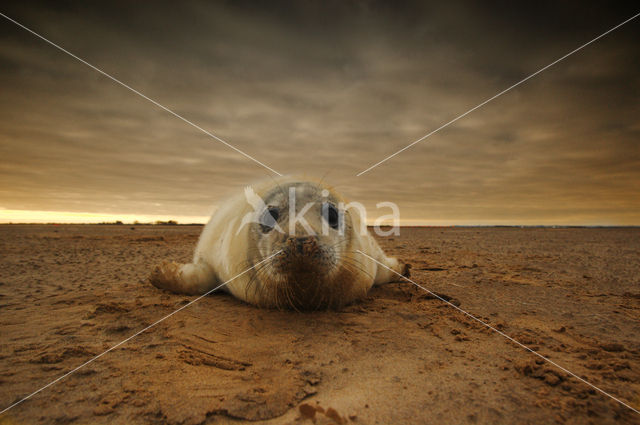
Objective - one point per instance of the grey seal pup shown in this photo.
(287, 244)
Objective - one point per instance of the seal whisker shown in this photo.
(350, 261)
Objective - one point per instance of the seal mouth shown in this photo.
(301, 274)
(304, 257)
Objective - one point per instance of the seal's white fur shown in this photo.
(224, 251)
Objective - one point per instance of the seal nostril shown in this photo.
(302, 245)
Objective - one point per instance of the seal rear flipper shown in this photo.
(394, 271)
(189, 279)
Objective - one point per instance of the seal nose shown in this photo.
(304, 245)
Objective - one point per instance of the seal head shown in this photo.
(303, 224)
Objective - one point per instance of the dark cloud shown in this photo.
(324, 88)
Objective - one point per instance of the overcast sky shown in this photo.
(324, 89)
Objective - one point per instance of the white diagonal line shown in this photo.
(502, 333)
(141, 95)
(498, 95)
(136, 334)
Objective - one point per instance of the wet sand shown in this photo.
(69, 292)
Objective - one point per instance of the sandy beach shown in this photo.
(70, 292)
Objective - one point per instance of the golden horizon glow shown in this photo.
(9, 216)
(74, 217)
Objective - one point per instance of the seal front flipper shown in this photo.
(190, 279)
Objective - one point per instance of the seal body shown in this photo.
(284, 243)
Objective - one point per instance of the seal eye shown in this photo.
(332, 215)
(269, 218)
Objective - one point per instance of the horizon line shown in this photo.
(10, 216)
(175, 223)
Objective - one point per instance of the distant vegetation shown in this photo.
(156, 223)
